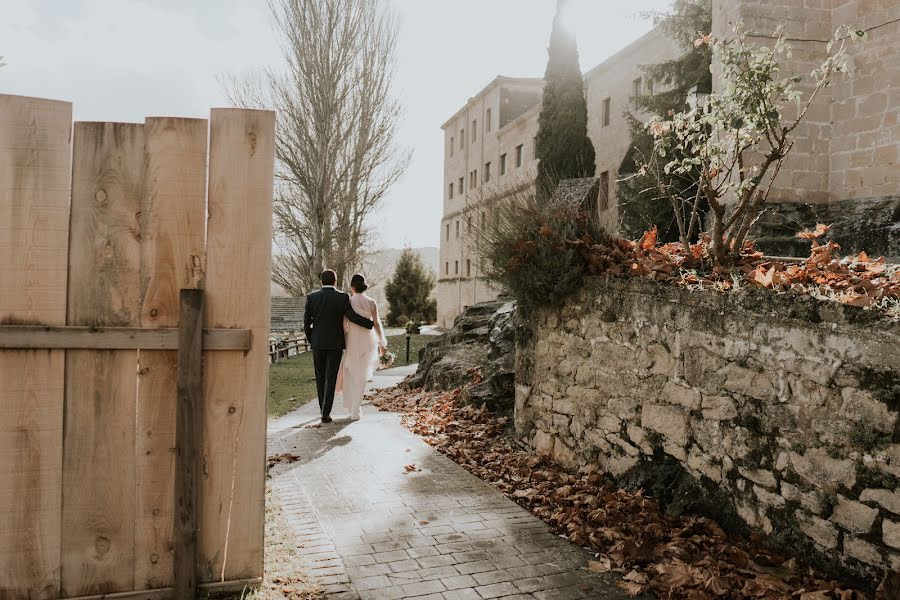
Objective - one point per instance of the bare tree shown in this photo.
(335, 141)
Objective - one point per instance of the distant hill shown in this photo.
(378, 269)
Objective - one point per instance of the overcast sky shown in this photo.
(122, 60)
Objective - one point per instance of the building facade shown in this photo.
(846, 148)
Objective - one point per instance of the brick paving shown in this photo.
(371, 531)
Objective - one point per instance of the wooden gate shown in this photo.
(101, 228)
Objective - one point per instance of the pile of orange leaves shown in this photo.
(856, 280)
(685, 557)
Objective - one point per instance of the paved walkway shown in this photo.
(371, 530)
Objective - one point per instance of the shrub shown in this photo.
(408, 292)
(533, 249)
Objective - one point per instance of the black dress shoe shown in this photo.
(326, 419)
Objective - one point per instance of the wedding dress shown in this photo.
(361, 358)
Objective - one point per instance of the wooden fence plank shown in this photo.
(35, 149)
(172, 257)
(115, 338)
(101, 385)
(187, 442)
(239, 232)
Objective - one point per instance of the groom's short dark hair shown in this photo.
(328, 277)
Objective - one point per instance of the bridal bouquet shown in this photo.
(386, 359)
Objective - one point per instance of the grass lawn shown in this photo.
(292, 382)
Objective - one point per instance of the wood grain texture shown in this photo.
(101, 385)
(34, 337)
(35, 149)
(239, 244)
(187, 442)
(172, 257)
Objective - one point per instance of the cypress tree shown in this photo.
(563, 147)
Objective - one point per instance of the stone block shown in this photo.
(681, 395)
(663, 363)
(819, 469)
(719, 408)
(565, 406)
(753, 516)
(623, 407)
(543, 443)
(768, 498)
(669, 421)
(862, 550)
(620, 466)
(853, 516)
(759, 476)
(862, 407)
(639, 437)
(618, 441)
(699, 463)
(564, 455)
(890, 533)
(818, 530)
(888, 499)
(747, 382)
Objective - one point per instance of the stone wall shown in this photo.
(785, 407)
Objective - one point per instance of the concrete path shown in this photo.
(372, 530)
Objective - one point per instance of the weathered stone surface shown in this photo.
(818, 530)
(760, 476)
(761, 399)
(719, 408)
(891, 533)
(543, 443)
(819, 469)
(668, 421)
(681, 395)
(862, 550)
(889, 499)
(483, 338)
(853, 516)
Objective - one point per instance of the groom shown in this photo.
(323, 323)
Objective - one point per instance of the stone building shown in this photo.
(846, 150)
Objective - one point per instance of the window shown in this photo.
(446, 268)
(468, 268)
(457, 228)
(635, 91)
(519, 155)
(649, 87)
(604, 113)
(448, 231)
(473, 179)
(604, 190)
(474, 130)
(487, 120)
(456, 267)
(462, 139)
(460, 186)
(451, 190)
(468, 224)
(452, 144)
(487, 171)
(503, 164)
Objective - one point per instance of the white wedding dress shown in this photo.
(361, 358)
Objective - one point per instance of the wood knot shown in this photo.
(101, 546)
(231, 410)
(100, 197)
(154, 312)
(154, 558)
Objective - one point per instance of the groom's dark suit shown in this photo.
(323, 323)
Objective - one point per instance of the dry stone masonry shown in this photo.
(785, 407)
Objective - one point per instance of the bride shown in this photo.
(363, 349)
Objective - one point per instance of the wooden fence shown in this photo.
(101, 228)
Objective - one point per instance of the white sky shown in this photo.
(122, 60)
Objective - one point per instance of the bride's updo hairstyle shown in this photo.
(358, 283)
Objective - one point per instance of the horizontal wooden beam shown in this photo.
(37, 337)
(218, 589)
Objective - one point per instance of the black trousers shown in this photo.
(327, 364)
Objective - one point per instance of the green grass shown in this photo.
(292, 381)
